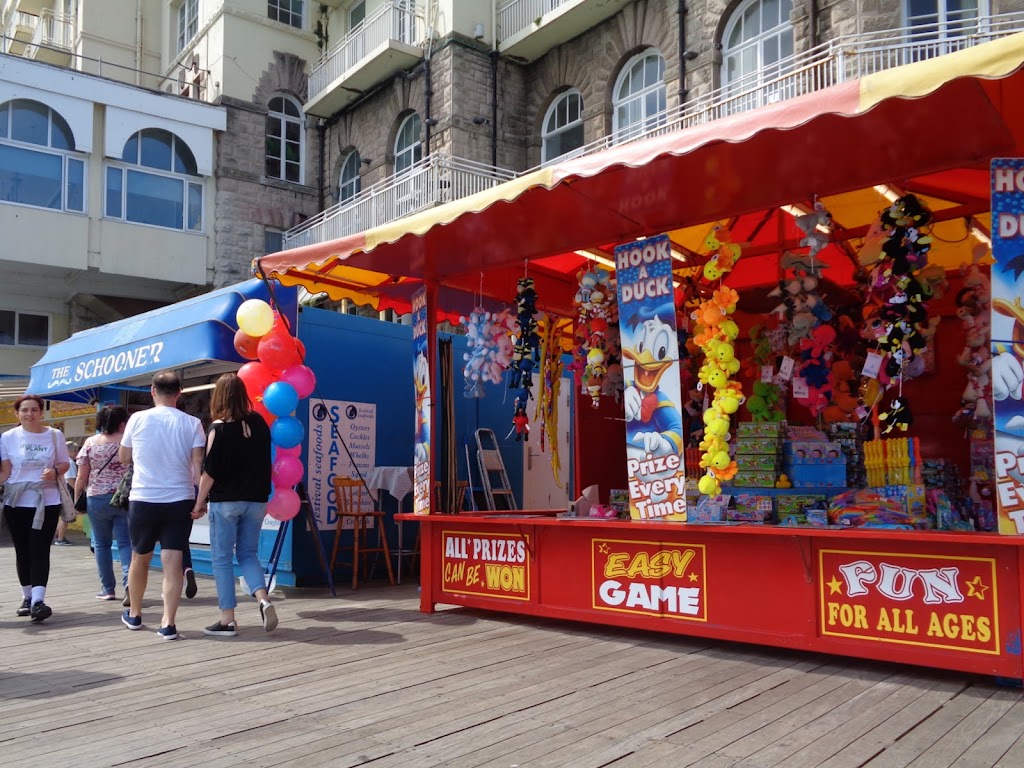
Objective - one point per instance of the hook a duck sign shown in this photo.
(652, 395)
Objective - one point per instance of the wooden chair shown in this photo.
(349, 495)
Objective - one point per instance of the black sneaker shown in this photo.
(132, 622)
(169, 632)
(222, 630)
(190, 584)
(269, 615)
(26, 607)
(40, 612)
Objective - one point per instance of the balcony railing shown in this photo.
(436, 179)
(831, 63)
(517, 15)
(441, 178)
(55, 30)
(395, 20)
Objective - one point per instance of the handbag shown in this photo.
(82, 502)
(120, 498)
(68, 513)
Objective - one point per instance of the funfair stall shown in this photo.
(806, 462)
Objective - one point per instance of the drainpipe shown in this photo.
(813, 21)
(682, 49)
(321, 135)
(428, 92)
(138, 42)
(494, 108)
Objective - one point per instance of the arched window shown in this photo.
(155, 183)
(639, 97)
(944, 21)
(562, 130)
(38, 162)
(350, 183)
(284, 140)
(757, 46)
(408, 144)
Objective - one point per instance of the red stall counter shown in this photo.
(946, 600)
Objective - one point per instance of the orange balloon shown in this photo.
(246, 346)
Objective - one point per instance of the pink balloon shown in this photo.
(301, 378)
(284, 505)
(295, 451)
(287, 471)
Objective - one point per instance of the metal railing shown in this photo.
(54, 30)
(437, 179)
(836, 61)
(398, 20)
(22, 19)
(516, 15)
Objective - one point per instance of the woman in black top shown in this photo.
(236, 482)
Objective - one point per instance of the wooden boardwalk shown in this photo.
(365, 679)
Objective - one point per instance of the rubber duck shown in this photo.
(783, 482)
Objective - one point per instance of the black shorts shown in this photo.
(168, 524)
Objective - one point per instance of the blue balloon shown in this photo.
(280, 398)
(286, 432)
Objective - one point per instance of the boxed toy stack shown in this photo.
(811, 461)
(751, 508)
(851, 436)
(802, 509)
(757, 454)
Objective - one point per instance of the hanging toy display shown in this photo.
(490, 349)
(546, 412)
(275, 382)
(716, 335)
(526, 351)
(972, 307)
(596, 353)
(895, 315)
(765, 404)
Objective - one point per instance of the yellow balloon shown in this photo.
(255, 318)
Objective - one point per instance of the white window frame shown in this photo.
(188, 181)
(67, 156)
(272, 231)
(354, 184)
(552, 111)
(757, 42)
(286, 119)
(354, 25)
(647, 120)
(409, 155)
(276, 4)
(17, 329)
(188, 23)
(942, 20)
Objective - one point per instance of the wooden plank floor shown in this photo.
(365, 679)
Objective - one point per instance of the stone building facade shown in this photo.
(464, 86)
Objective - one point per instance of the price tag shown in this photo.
(767, 373)
(861, 412)
(800, 388)
(786, 368)
(872, 365)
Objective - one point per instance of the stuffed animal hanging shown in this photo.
(596, 351)
(526, 351)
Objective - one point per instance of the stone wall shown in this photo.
(247, 202)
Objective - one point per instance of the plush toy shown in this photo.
(896, 416)
(521, 422)
(596, 350)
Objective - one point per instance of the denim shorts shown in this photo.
(168, 524)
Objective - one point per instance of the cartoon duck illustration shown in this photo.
(653, 423)
(421, 379)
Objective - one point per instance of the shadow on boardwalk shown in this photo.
(366, 679)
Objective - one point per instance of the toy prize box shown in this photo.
(751, 508)
(708, 509)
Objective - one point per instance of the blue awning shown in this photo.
(184, 335)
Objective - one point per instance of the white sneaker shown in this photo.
(269, 615)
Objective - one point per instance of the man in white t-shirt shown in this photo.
(165, 447)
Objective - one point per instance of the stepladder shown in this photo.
(494, 478)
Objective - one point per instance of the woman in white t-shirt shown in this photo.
(35, 458)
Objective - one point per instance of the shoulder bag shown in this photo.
(120, 498)
(81, 503)
(68, 513)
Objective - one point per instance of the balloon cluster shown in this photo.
(526, 352)
(490, 349)
(596, 352)
(275, 379)
(715, 334)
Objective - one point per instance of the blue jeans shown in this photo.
(235, 530)
(109, 523)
